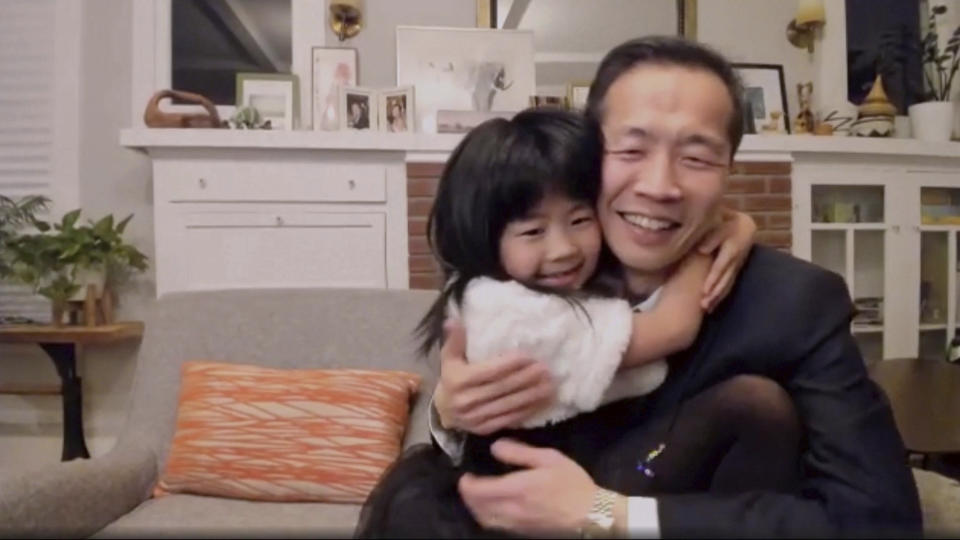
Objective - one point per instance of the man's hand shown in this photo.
(734, 238)
(553, 495)
(485, 397)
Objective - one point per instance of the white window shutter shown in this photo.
(27, 123)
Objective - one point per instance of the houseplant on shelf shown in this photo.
(60, 261)
(932, 120)
(14, 216)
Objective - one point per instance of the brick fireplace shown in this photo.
(761, 189)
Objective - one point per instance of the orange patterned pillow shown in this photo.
(267, 434)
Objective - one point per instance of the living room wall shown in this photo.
(117, 180)
(112, 180)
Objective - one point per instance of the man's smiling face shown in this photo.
(666, 163)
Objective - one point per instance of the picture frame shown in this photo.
(330, 69)
(559, 102)
(397, 109)
(464, 121)
(465, 69)
(358, 108)
(275, 95)
(577, 92)
(765, 97)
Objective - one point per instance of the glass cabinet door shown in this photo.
(848, 236)
(939, 223)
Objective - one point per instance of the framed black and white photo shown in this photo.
(276, 97)
(396, 107)
(358, 108)
(765, 97)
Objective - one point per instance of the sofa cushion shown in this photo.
(252, 432)
(940, 502)
(194, 516)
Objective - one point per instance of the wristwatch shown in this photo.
(600, 519)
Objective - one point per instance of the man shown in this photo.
(671, 117)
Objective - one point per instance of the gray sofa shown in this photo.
(108, 496)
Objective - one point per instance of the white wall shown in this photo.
(755, 31)
(112, 180)
(376, 43)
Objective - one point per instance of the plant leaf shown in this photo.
(122, 226)
(70, 219)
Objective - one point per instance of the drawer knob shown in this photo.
(352, 184)
(279, 221)
(202, 183)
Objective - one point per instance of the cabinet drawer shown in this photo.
(275, 182)
(303, 249)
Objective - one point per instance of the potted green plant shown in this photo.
(932, 120)
(61, 260)
(14, 216)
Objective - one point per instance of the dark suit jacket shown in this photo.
(789, 320)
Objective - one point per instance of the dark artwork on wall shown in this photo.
(883, 37)
(212, 40)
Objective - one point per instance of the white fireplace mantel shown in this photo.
(753, 148)
(268, 209)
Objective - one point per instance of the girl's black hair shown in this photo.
(499, 173)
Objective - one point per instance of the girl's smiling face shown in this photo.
(556, 245)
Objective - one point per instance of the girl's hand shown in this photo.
(486, 397)
(734, 238)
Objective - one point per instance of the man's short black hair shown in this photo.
(670, 51)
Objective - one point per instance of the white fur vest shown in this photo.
(582, 347)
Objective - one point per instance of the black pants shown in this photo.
(741, 434)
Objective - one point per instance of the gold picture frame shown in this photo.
(577, 92)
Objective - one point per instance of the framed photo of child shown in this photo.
(396, 107)
(358, 108)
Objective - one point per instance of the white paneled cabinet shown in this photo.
(244, 218)
(889, 227)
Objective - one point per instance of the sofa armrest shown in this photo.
(75, 498)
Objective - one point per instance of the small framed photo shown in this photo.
(396, 107)
(464, 121)
(577, 93)
(275, 95)
(358, 108)
(765, 97)
(331, 69)
(559, 102)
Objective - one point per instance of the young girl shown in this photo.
(514, 229)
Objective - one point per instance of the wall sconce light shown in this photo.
(346, 17)
(802, 30)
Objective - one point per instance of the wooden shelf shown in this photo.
(848, 226)
(109, 333)
(928, 327)
(30, 389)
(867, 328)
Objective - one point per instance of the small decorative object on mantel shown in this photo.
(839, 118)
(73, 265)
(875, 114)
(933, 119)
(248, 118)
(156, 118)
(804, 123)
